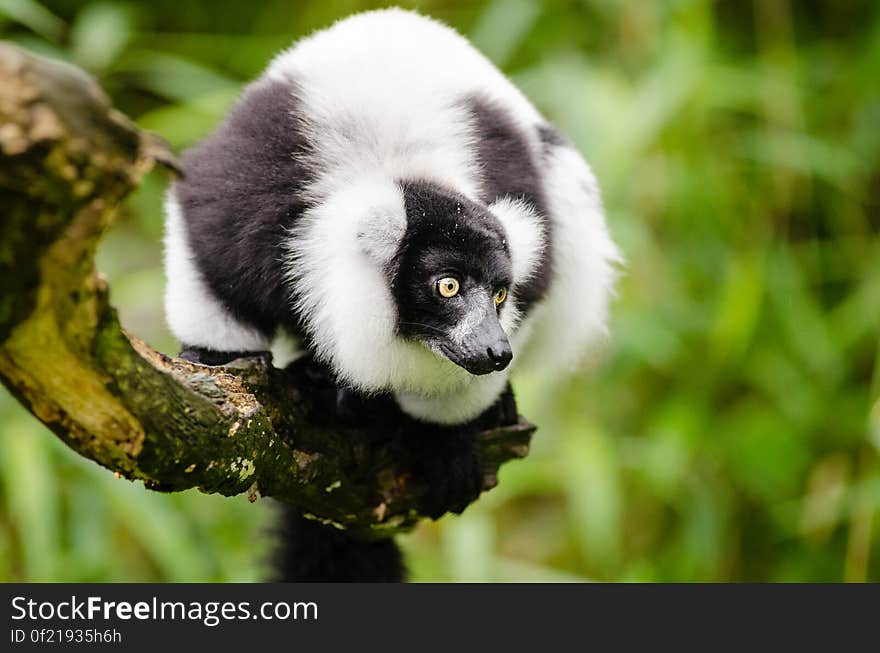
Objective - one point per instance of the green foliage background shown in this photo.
(731, 430)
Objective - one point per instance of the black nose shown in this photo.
(500, 355)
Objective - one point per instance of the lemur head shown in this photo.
(408, 286)
(450, 278)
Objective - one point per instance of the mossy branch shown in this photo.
(67, 159)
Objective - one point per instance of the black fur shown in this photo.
(313, 552)
(449, 462)
(552, 137)
(242, 189)
(450, 459)
(509, 169)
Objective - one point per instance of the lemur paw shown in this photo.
(452, 469)
(212, 358)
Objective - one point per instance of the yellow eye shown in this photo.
(500, 296)
(448, 287)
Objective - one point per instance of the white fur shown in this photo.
(345, 300)
(194, 315)
(458, 404)
(380, 91)
(285, 349)
(572, 316)
(525, 241)
(524, 237)
(381, 229)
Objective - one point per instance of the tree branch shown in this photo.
(67, 159)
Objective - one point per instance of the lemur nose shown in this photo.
(500, 355)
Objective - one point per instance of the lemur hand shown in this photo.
(450, 464)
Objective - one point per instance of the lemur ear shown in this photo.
(524, 235)
(380, 232)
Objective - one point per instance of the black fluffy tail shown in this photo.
(312, 552)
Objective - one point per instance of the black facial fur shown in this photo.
(509, 169)
(448, 235)
(241, 191)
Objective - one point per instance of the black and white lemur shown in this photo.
(383, 194)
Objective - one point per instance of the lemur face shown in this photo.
(451, 278)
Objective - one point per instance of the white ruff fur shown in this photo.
(380, 90)
(378, 94)
(194, 315)
(572, 316)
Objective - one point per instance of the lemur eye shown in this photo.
(448, 287)
(500, 296)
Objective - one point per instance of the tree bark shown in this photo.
(67, 159)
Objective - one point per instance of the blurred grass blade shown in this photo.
(100, 33)
(31, 493)
(502, 26)
(34, 16)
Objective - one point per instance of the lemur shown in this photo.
(385, 196)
